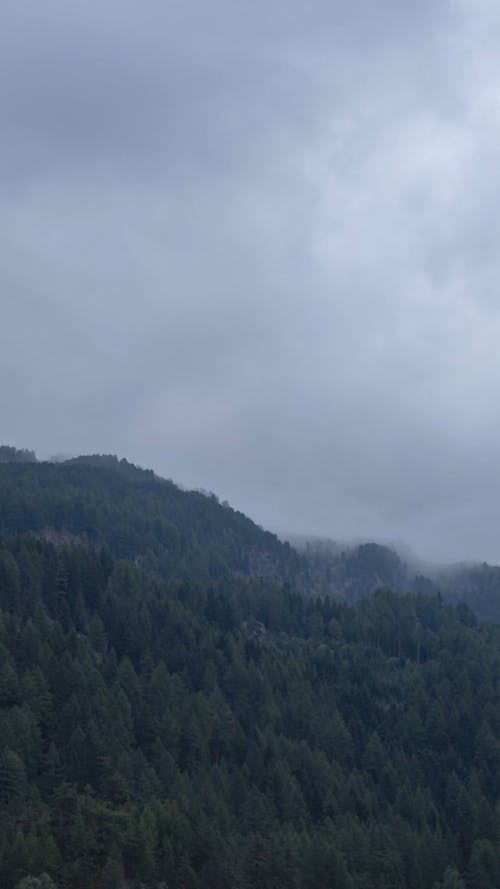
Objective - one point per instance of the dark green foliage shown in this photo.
(145, 741)
(173, 533)
(175, 712)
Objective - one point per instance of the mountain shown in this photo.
(181, 707)
(171, 532)
(350, 572)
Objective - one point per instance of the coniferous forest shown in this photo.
(187, 702)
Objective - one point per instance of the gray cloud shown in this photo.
(254, 247)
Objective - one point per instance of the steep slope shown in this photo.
(175, 533)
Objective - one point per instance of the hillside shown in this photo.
(176, 534)
(178, 709)
(179, 535)
(350, 572)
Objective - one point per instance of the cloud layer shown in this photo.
(254, 246)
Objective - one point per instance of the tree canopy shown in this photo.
(178, 709)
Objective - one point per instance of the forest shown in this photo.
(185, 703)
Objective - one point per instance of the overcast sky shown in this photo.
(255, 246)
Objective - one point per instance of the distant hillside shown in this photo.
(353, 572)
(349, 573)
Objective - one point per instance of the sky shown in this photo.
(254, 246)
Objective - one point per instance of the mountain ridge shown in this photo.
(163, 512)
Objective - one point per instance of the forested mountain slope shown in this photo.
(189, 535)
(175, 533)
(171, 721)
(351, 572)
